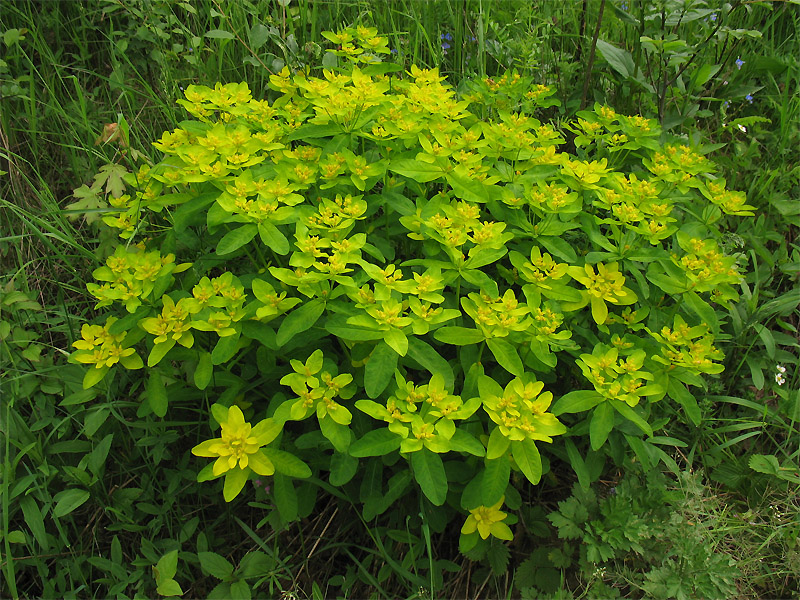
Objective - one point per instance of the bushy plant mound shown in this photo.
(363, 281)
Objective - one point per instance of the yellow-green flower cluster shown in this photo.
(607, 285)
(497, 317)
(520, 410)
(129, 276)
(421, 415)
(617, 378)
(488, 521)
(99, 347)
(316, 390)
(691, 348)
(706, 268)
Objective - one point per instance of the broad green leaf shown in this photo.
(466, 443)
(527, 457)
(272, 237)
(342, 469)
(377, 442)
(630, 414)
(506, 355)
(601, 425)
(558, 247)
(345, 331)
(159, 351)
(167, 565)
(379, 370)
(204, 371)
(430, 359)
(416, 170)
(578, 464)
(599, 310)
(576, 401)
(94, 376)
(225, 348)
(258, 36)
(620, 60)
(498, 444)
(702, 309)
(678, 392)
(397, 340)
(286, 463)
(429, 473)
(234, 482)
(157, 394)
(169, 587)
(219, 34)
(236, 238)
(299, 320)
(34, 520)
(338, 435)
(285, 497)
(495, 480)
(458, 336)
(215, 565)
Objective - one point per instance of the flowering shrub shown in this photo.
(404, 294)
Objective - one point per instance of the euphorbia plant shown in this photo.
(402, 287)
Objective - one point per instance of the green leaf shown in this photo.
(599, 310)
(204, 371)
(430, 359)
(167, 565)
(272, 237)
(458, 336)
(158, 352)
(558, 247)
(678, 392)
(342, 469)
(286, 463)
(285, 498)
(467, 443)
(527, 457)
(377, 442)
(601, 425)
(379, 370)
(620, 60)
(578, 465)
(258, 36)
(430, 475)
(337, 434)
(225, 348)
(219, 34)
(94, 376)
(495, 480)
(702, 309)
(506, 355)
(169, 587)
(397, 340)
(215, 565)
(416, 170)
(630, 414)
(235, 239)
(234, 482)
(576, 401)
(157, 394)
(299, 320)
(498, 444)
(345, 331)
(34, 520)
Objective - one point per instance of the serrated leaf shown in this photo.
(215, 565)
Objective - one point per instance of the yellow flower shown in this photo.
(240, 445)
(488, 521)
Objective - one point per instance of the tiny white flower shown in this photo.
(742, 128)
(781, 368)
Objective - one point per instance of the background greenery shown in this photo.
(93, 499)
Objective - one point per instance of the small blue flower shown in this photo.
(749, 98)
(394, 50)
(472, 38)
(624, 6)
(726, 104)
(713, 16)
(445, 46)
(446, 36)
(739, 63)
